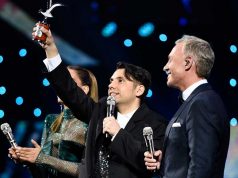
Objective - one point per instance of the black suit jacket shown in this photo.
(197, 137)
(128, 147)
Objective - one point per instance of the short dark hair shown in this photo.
(139, 74)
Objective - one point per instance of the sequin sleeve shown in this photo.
(55, 165)
(62, 151)
(43, 134)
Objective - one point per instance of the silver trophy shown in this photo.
(39, 36)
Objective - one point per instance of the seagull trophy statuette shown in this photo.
(38, 35)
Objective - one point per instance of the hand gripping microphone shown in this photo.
(148, 136)
(111, 102)
(6, 129)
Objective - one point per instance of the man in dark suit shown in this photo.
(122, 154)
(197, 137)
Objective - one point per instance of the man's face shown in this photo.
(175, 67)
(124, 90)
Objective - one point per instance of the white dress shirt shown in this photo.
(52, 63)
(186, 93)
(123, 119)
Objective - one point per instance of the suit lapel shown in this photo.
(102, 112)
(175, 117)
(199, 89)
(137, 116)
(99, 126)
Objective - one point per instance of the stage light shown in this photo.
(187, 5)
(233, 48)
(45, 82)
(1, 59)
(109, 29)
(20, 130)
(7, 174)
(22, 52)
(37, 112)
(163, 37)
(233, 82)
(94, 5)
(183, 21)
(19, 100)
(1, 114)
(128, 42)
(2, 90)
(39, 126)
(233, 122)
(146, 29)
(149, 93)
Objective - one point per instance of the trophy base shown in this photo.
(39, 36)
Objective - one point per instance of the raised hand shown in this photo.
(49, 44)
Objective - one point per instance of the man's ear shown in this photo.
(188, 63)
(140, 90)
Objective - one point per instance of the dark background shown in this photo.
(80, 23)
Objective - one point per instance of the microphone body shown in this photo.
(148, 136)
(111, 102)
(6, 129)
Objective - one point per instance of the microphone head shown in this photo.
(147, 131)
(111, 100)
(6, 128)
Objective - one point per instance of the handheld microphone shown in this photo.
(6, 129)
(111, 102)
(148, 136)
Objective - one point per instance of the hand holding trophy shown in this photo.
(39, 36)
